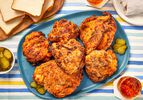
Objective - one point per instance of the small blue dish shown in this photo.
(86, 85)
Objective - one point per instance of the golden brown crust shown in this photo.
(100, 64)
(36, 47)
(69, 56)
(63, 30)
(91, 33)
(110, 30)
(97, 32)
(38, 75)
(57, 82)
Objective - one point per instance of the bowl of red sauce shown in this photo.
(127, 87)
(97, 3)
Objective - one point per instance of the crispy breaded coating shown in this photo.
(91, 33)
(36, 47)
(69, 56)
(97, 32)
(63, 30)
(100, 64)
(109, 33)
(59, 83)
(38, 75)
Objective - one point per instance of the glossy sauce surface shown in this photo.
(95, 1)
(129, 87)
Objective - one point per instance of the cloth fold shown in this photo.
(132, 7)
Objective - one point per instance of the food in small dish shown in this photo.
(97, 32)
(59, 83)
(127, 87)
(120, 46)
(36, 47)
(100, 64)
(6, 60)
(97, 3)
(63, 30)
(69, 56)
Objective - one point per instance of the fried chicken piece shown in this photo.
(91, 33)
(59, 83)
(38, 75)
(97, 32)
(36, 47)
(69, 56)
(63, 30)
(100, 64)
(109, 33)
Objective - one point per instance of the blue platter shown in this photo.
(86, 85)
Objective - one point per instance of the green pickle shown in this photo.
(41, 90)
(4, 63)
(120, 41)
(116, 46)
(120, 46)
(5, 59)
(121, 50)
(7, 54)
(1, 54)
(33, 84)
(124, 47)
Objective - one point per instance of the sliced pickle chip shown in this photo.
(41, 90)
(4, 63)
(120, 41)
(1, 54)
(7, 54)
(33, 84)
(120, 46)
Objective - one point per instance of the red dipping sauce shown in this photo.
(95, 1)
(129, 87)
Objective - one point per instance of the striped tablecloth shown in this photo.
(13, 87)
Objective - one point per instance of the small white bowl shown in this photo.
(12, 63)
(135, 20)
(117, 92)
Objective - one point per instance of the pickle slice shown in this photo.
(4, 63)
(41, 90)
(33, 84)
(7, 54)
(1, 54)
(120, 41)
(122, 49)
